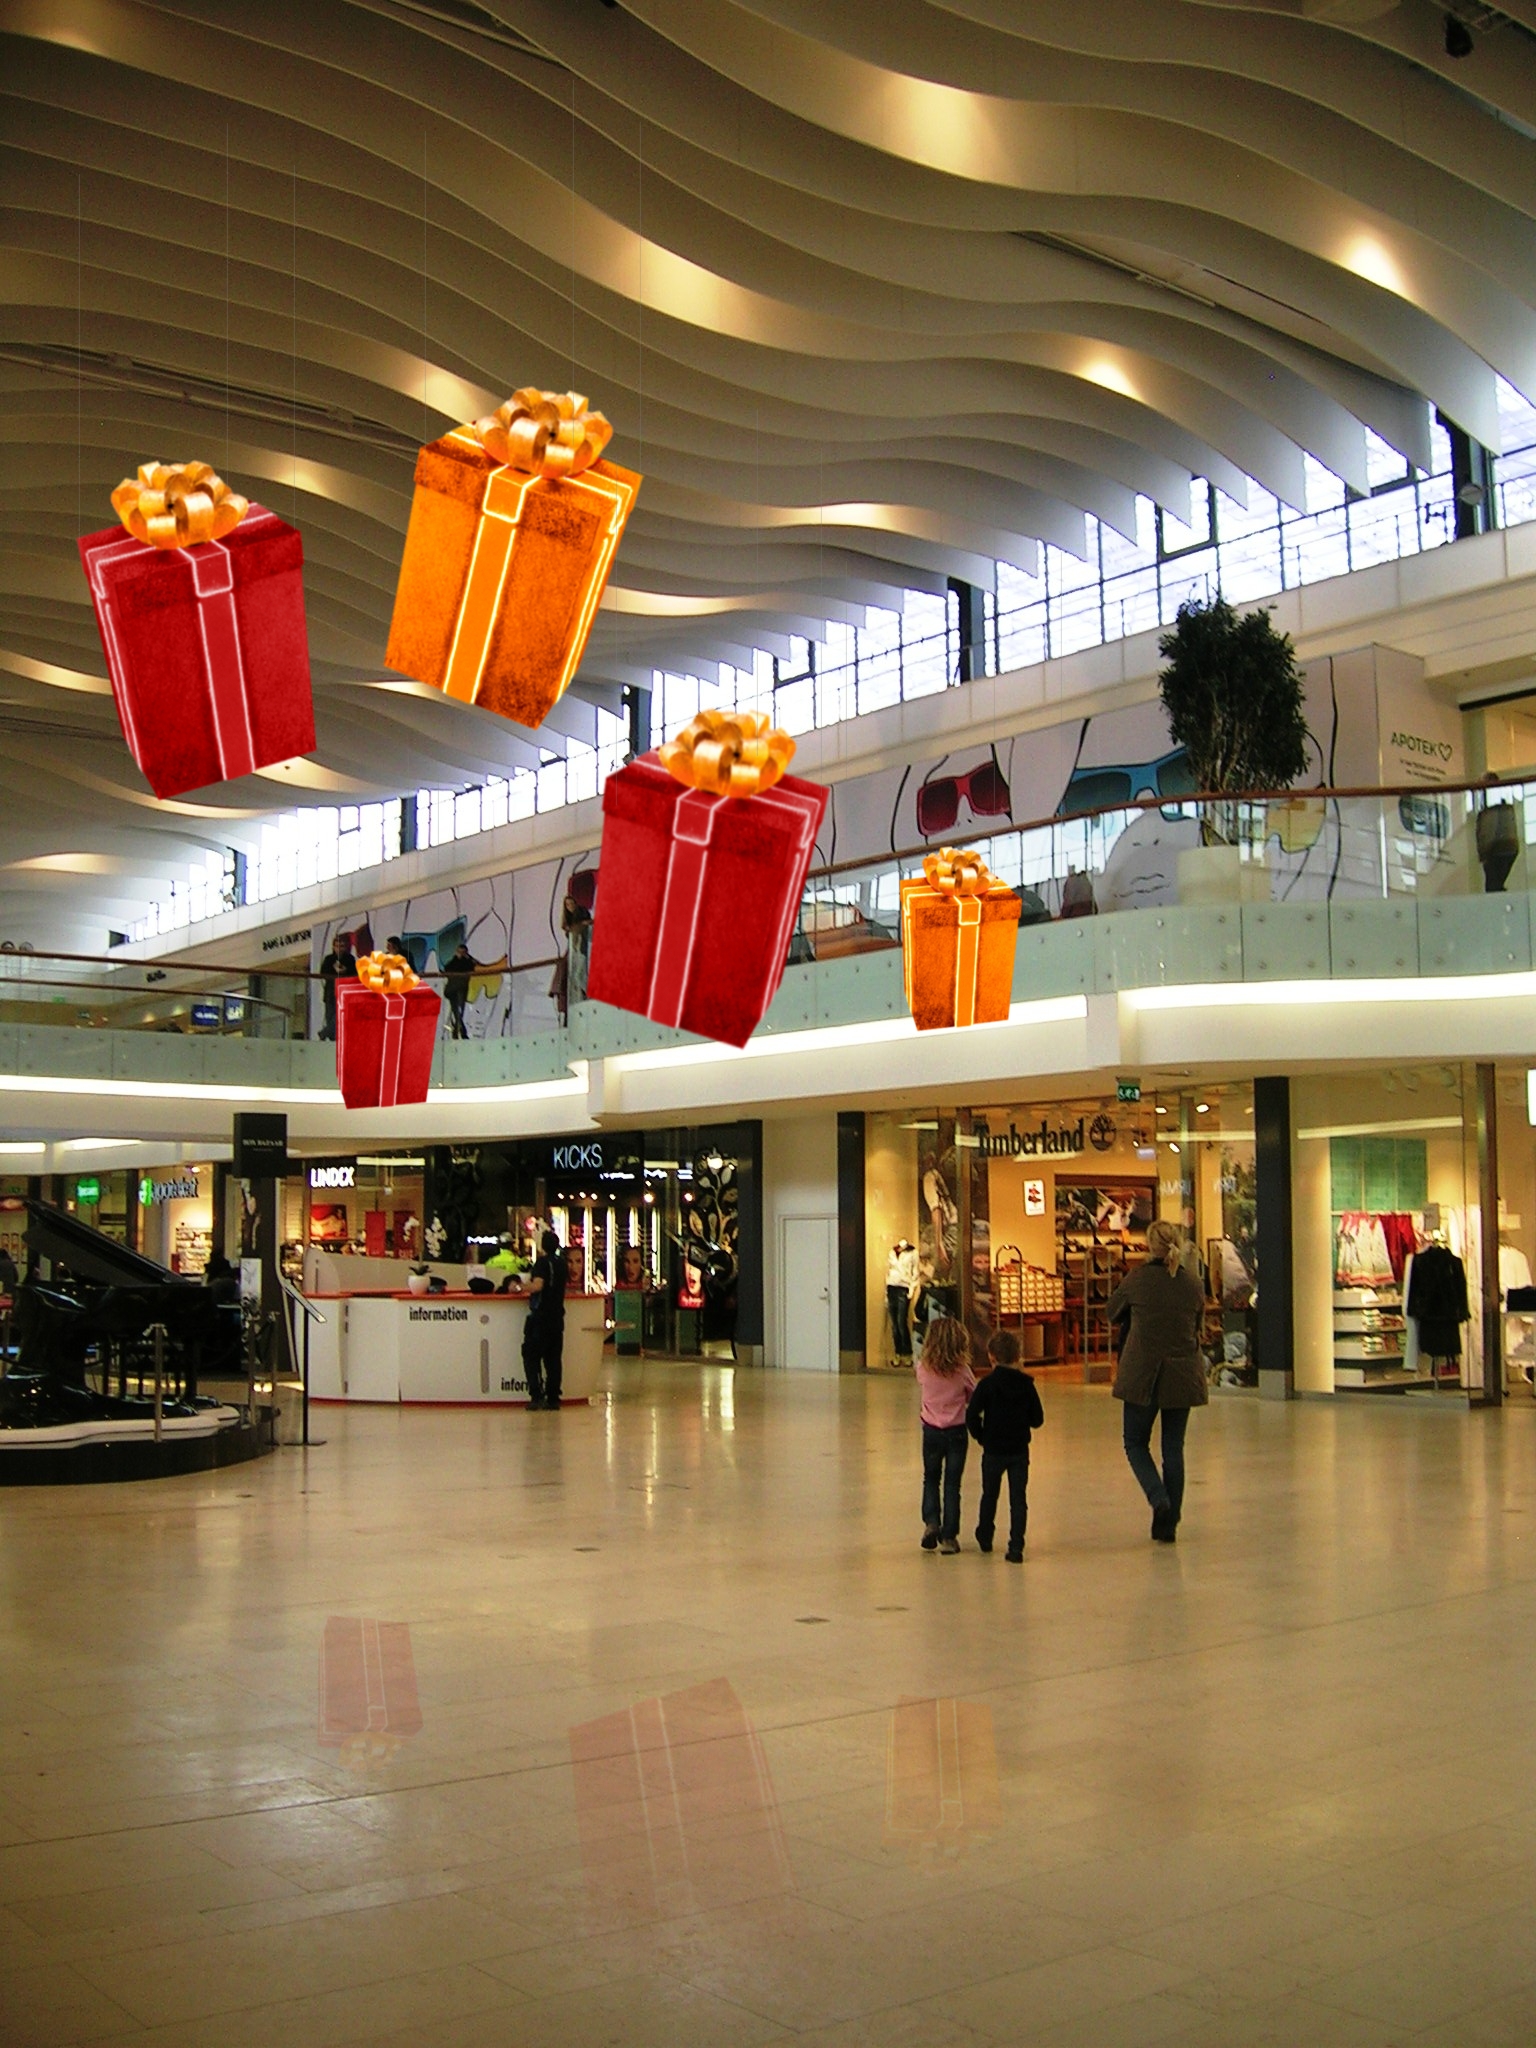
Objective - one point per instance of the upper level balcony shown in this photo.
(1253, 933)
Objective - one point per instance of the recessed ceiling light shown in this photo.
(1161, 1111)
(1201, 1108)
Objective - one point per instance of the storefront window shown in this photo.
(369, 1207)
(1387, 1229)
(652, 1217)
(1028, 1216)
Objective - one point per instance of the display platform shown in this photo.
(98, 1452)
(453, 1349)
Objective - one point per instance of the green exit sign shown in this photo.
(88, 1193)
(1127, 1091)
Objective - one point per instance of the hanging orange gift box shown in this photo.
(386, 1030)
(199, 598)
(959, 929)
(514, 526)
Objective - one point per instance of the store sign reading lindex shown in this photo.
(333, 1176)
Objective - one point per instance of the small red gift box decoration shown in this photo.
(386, 1029)
(706, 844)
(200, 606)
(514, 526)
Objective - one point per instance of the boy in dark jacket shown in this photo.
(1001, 1413)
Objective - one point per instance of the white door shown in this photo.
(807, 1304)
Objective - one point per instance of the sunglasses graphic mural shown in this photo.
(983, 789)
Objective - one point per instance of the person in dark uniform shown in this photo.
(456, 989)
(544, 1331)
(340, 964)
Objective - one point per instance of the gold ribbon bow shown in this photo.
(545, 433)
(957, 874)
(178, 504)
(387, 974)
(729, 753)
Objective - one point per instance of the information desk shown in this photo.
(443, 1347)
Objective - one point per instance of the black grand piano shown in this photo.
(90, 1329)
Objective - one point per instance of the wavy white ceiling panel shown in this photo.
(875, 295)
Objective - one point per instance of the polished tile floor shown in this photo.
(651, 1724)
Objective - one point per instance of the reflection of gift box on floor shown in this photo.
(699, 897)
(675, 1806)
(384, 1044)
(503, 571)
(367, 1680)
(940, 1773)
(959, 929)
(207, 650)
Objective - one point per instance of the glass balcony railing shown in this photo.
(1120, 586)
(1415, 849)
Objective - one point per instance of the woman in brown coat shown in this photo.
(1161, 1370)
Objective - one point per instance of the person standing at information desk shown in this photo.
(544, 1331)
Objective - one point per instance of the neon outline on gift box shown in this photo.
(394, 1037)
(196, 561)
(969, 928)
(623, 498)
(809, 814)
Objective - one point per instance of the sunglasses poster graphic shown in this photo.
(484, 947)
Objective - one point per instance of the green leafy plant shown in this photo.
(1232, 692)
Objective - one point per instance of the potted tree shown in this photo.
(1233, 696)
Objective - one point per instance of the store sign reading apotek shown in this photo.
(152, 1191)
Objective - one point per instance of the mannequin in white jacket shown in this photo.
(900, 1279)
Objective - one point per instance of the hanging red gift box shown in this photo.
(514, 526)
(706, 844)
(386, 1029)
(959, 931)
(200, 606)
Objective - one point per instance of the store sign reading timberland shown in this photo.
(1048, 1140)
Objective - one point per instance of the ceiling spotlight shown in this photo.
(1458, 38)
(1201, 1108)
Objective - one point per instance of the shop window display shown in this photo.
(1388, 1232)
(1026, 1216)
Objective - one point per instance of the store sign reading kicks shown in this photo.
(1016, 1144)
(333, 1176)
(577, 1158)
